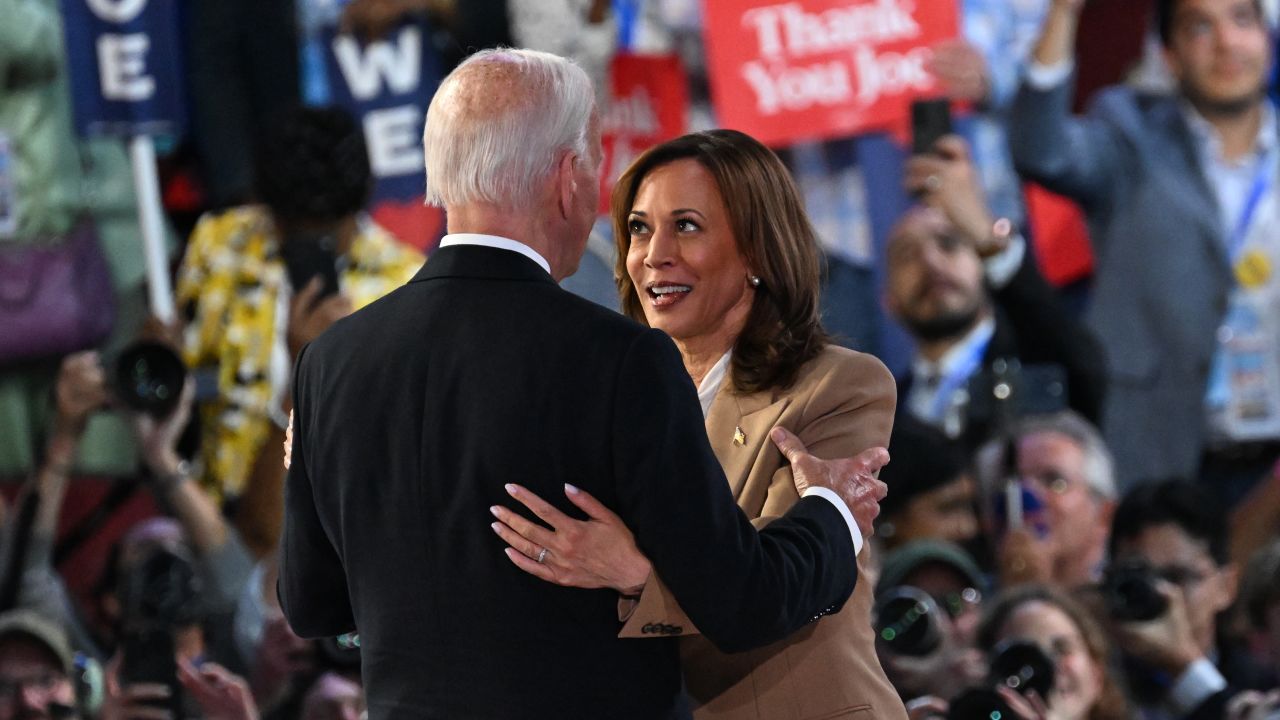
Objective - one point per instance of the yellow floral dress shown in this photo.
(230, 287)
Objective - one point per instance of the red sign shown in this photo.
(648, 104)
(813, 69)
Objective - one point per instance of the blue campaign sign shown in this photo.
(387, 85)
(125, 63)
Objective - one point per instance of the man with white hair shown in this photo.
(414, 415)
(1066, 482)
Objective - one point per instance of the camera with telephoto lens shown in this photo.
(1130, 592)
(149, 377)
(907, 622)
(1016, 664)
(159, 593)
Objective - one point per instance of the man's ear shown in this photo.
(568, 182)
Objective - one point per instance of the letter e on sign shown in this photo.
(117, 11)
(122, 67)
(393, 138)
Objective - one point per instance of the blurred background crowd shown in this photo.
(1075, 290)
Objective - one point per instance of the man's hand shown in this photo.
(1167, 642)
(961, 70)
(373, 19)
(948, 180)
(853, 479)
(1058, 35)
(308, 318)
(219, 693)
(281, 656)
(1253, 705)
(1023, 557)
(80, 390)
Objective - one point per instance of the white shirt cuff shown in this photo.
(1196, 684)
(1047, 77)
(1002, 266)
(834, 499)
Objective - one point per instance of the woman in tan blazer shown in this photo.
(714, 248)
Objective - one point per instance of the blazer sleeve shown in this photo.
(742, 588)
(848, 410)
(1075, 156)
(1046, 333)
(312, 586)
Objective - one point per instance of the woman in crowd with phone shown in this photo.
(260, 281)
(714, 248)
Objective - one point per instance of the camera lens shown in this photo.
(1022, 666)
(906, 622)
(1129, 589)
(149, 378)
(980, 704)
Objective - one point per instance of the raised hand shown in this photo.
(80, 390)
(947, 179)
(219, 693)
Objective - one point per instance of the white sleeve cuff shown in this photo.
(1196, 684)
(1002, 266)
(1048, 77)
(834, 499)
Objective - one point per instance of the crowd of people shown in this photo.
(1082, 517)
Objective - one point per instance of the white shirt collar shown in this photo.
(1209, 143)
(951, 359)
(494, 241)
(710, 385)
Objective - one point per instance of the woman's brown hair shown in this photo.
(783, 330)
(1111, 703)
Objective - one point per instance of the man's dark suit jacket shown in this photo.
(410, 416)
(1033, 327)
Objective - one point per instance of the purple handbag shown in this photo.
(55, 298)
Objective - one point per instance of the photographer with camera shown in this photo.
(258, 282)
(1049, 491)
(927, 608)
(168, 581)
(1040, 639)
(1168, 582)
(966, 287)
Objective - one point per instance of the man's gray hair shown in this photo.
(1099, 468)
(498, 124)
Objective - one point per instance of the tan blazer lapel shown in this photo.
(738, 428)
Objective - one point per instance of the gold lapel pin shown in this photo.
(739, 437)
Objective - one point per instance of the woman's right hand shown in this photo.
(596, 553)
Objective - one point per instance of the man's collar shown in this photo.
(980, 334)
(495, 241)
(1207, 138)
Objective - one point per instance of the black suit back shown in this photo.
(413, 413)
